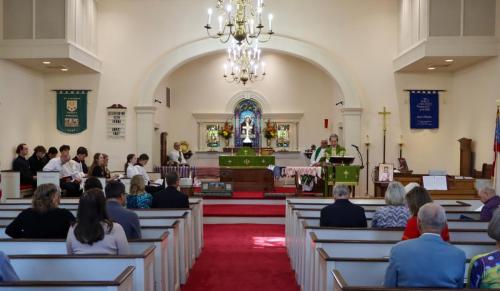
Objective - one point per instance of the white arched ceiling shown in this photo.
(175, 58)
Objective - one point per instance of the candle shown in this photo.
(251, 26)
(263, 68)
(220, 23)
(270, 18)
(225, 69)
(401, 139)
(367, 139)
(209, 16)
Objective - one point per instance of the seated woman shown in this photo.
(395, 214)
(138, 197)
(129, 168)
(484, 270)
(94, 232)
(415, 199)
(107, 172)
(7, 273)
(44, 219)
(97, 167)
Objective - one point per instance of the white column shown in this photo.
(352, 136)
(145, 116)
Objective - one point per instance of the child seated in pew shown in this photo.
(94, 232)
(7, 273)
(44, 219)
(138, 197)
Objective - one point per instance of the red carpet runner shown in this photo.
(244, 210)
(242, 257)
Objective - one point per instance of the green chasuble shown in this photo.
(338, 151)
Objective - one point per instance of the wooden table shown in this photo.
(248, 178)
(457, 188)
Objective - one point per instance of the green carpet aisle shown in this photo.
(243, 257)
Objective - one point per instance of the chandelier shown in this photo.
(244, 64)
(240, 20)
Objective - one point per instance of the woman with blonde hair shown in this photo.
(44, 219)
(395, 214)
(138, 197)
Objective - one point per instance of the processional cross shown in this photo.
(247, 127)
(384, 117)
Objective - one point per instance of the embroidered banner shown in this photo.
(72, 110)
(424, 109)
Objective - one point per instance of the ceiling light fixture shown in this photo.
(244, 64)
(431, 68)
(449, 60)
(240, 20)
(64, 69)
(46, 62)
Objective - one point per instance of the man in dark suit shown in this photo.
(115, 199)
(170, 197)
(22, 165)
(342, 213)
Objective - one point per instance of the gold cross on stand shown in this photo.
(384, 117)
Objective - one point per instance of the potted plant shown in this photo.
(270, 132)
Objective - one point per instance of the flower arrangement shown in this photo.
(270, 131)
(226, 131)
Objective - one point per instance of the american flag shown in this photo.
(496, 143)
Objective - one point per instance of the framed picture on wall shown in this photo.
(385, 172)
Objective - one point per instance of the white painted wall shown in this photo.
(22, 110)
(198, 87)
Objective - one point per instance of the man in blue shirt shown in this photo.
(7, 273)
(427, 261)
(115, 199)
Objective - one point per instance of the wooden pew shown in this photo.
(367, 249)
(452, 223)
(68, 266)
(159, 239)
(340, 284)
(373, 270)
(114, 280)
(178, 267)
(303, 252)
(196, 207)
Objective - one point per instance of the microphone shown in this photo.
(355, 146)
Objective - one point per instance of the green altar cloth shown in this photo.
(246, 157)
(341, 175)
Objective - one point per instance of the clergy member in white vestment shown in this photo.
(318, 153)
(176, 155)
(130, 169)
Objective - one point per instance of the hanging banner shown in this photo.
(424, 109)
(72, 110)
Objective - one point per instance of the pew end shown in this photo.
(123, 281)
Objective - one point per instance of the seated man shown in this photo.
(176, 155)
(318, 154)
(490, 200)
(69, 171)
(51, 153)
(115, 200)
(342, 213)
(170, 197)
(427, 261)
(37, 159)
(21, 165)
(81, 155)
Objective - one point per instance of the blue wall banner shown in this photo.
(424, 109)
(72, 110)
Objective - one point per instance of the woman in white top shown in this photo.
(130, 169)
(94, 232)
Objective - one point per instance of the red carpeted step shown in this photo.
(243, 257)
(244, 210)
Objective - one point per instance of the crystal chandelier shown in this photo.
(240, 20)
(244, 63)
